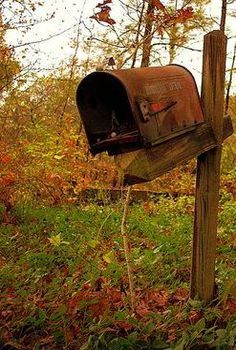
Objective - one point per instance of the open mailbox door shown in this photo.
(125, 110)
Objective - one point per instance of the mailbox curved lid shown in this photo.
(160, 85)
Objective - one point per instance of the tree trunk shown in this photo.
(138, 34)
(223, 15)
(147, 38)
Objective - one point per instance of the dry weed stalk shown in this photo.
(126, 248)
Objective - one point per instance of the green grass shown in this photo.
(64, 283)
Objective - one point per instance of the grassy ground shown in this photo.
(64, 284)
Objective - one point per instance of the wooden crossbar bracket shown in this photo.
(146, 164)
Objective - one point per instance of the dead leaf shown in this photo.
(124, 325)
(104, 3)
(159, 298)
(181, 294)
(230, 307)
(172, 334)
(47, 340)
(142, 309)
(195, 316)
(157, 4)
(104, 14)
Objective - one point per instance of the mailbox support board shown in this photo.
(147, 164)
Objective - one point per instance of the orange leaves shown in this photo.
(70, 143)
(180, 295)
(230, 307)
(5, 159)
(184, 14)
(95, 303)
(55, 177)
(165, 18)
(160, 14)
(152, 301)
(195, 316)
(104, 14)
(158, 298)
(157, 4)
(8, 179)
(104, 3)
(149, 207)
(5, 155)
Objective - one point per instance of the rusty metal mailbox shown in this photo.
(125, 110)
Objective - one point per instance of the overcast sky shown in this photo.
(65, 23)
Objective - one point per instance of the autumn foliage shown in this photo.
(44, 152)
(103, 13)
(63, 268)
(63, 278)
(158, 13)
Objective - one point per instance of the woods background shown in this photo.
(44, 155)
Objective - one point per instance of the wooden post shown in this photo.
(208, 170)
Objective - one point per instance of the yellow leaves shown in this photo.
(59, 157)
(108, 257)
(9, 68)
(56, 240)
(93, 243)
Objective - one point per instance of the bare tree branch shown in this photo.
(179, 45)
(230, 82)
(138, 33)
(43, 40)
